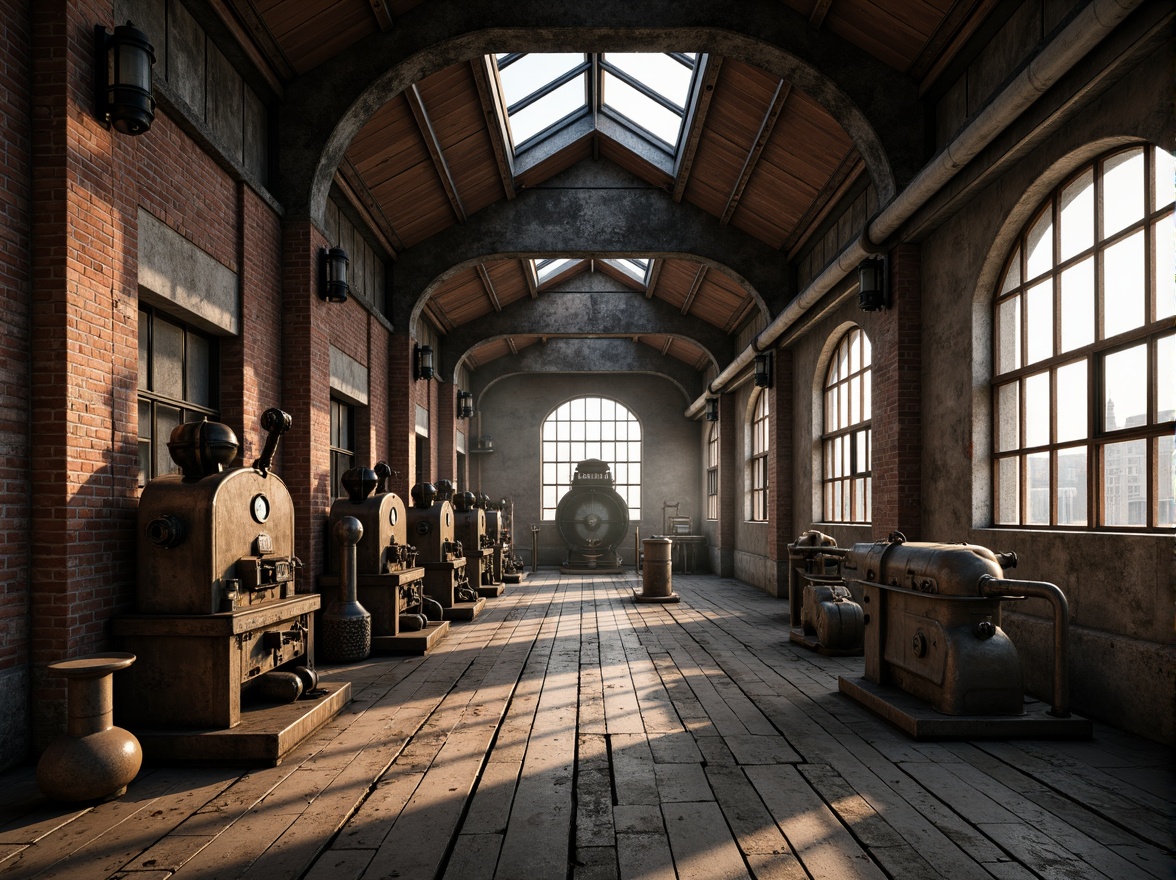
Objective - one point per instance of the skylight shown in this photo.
(635, 268)
(545, 269)
(647, 92)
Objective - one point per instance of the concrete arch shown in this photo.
(325, 108)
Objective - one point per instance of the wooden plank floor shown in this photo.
(568, 732)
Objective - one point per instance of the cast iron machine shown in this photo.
(822, 611)
(592, 518)
(389, 578)
(220, 631)
(431, 529)
(470, 528)
(937, 663)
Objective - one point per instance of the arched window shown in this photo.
(712, 472)
(846, 443)
(1084, 387)
(591, 427)
(757, 506)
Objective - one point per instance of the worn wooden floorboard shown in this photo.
(569, 732)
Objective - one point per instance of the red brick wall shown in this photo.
(401, 413)
(897, 364)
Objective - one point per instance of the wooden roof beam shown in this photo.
(666, 347)
(489, 285)
(852, 166)
(738, 316)
(706, 89)
(820, 10)
(698, 277)
(654, 273)
(510, 343)
(383, 13)
(529, 274)
(757, 149)
(350, 183)
(257, 41)
(417, 105)
(494, 124)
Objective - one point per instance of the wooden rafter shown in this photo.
(351, 184)
(666, 347)
(690, 142)
(757, 149)
(957, 27)
(654, 273)
(529, 275)
(434, 311)
(698, 278)
(254, 37)
(486, 92)
(413, 94)
(839, 182)
(510, 343)
(738, 316)
(491, 293)
(820, 10)
(383, 13)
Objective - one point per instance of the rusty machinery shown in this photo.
(823, 614)
(469, 527)
(431, 530)
(225, 642)
(937, 663)
(508, 567)
(389, 577)
(592, 518)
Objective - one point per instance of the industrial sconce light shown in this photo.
(424, 362)
(872, 284)
(763, 369)
(336, 263)
(465, 404)
(712, 409)
(122, 79)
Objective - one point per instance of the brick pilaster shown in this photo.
(781, 496)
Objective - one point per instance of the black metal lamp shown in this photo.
(712, 409)
(123, 96)
(763, 369)
(872, 284)
(424, 362)
(335, 263)
(465, 404)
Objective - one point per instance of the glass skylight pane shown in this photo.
(635, 269)
(641, 110)
(545, 269)
(533, 71)
(548, 110)
(656, 70)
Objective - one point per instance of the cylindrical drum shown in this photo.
(656, 570)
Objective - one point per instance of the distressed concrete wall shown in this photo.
(512, 411)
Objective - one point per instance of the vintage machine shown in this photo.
(469, 520)
(823, 613)
(390, 580)
(508, 568)
(431, 530)
(592, 519)
(937, 663)
(220, 631)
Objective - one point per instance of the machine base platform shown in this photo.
(917, 719)
(265, 735)
(491, 591)
(463, 610)
(514, 578)
(419, 642)
(639, 596)
(603, 569)
(799, 637)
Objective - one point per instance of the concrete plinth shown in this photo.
(463, 610)
(419, 642)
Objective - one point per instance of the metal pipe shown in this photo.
(1088, 28)
(534, 547)
(1003, 588)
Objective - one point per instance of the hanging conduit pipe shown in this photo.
(1088, 28)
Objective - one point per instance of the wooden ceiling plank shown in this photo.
(383, 14)
(701, 107)
(698, 279)
(948, 40)
(761, 139)
(820, 10)
(737, 316)
(850, 169)
(491, 293)
(502, 152)
(352, 186)
(422, 117)
(256, 40)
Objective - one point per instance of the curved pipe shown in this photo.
(1002, 588)
(1086, 31)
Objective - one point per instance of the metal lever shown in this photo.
(277, 423)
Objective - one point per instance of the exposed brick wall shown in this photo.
(897, 382)
(446, 419)
(401, 413)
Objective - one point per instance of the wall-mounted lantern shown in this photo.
(465, 404)
(712, 409)
(763, 369)
(424, 362)
(872, 284)
(122, 79)
(335, 265)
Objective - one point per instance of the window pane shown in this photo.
(1072, 487)
(641, 109)
(1124, 400)
(1008, 417)
(1165, 378)
(1078, 305)
(1124, 489)
(867, 390)
(1039, 245)
(167, 419)
(1166, 488)
(1037, 486)
(167, 361)
(1123, 293)
(144, 335)
(1008, 491)
(1077, 215)
(1165, 179)
(855, 392)
(548, 110)
(1008, 353)
(1164, 276)
(1071, 408)
(533, 71)
(1039, 322)
(1122, 190)
(1037, 410)
(199, 372)
(657, 70)
(1012, 277)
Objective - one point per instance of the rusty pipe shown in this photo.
(1005, 588)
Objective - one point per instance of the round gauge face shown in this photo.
(260, 508)
(393, 516)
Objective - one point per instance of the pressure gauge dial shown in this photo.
(260, 508)
(393, 516)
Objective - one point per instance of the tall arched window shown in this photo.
(846, 442)
(591, 427)
(1084, 391)
(712, 472)
(757, 463)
